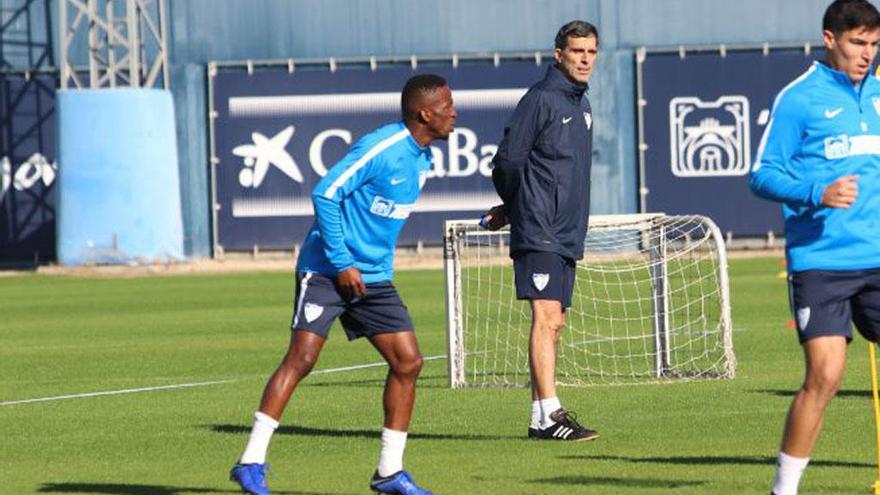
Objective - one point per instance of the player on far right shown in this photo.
(820, 158)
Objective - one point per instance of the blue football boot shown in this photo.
(251, 478)
(399, 483)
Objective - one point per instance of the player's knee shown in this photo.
(408, 366)
(555, 324)
(550, 323)
(824, 383)
(304, 361)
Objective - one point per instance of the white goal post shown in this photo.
(651, 303)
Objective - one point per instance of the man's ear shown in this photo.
(828, 39)
(424, 115)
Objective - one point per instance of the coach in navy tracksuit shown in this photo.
(542, 173)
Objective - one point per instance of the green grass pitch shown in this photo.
(62, 335)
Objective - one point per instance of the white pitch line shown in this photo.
(188, 385)
(114, 392)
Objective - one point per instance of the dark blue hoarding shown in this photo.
(704, 114)
(27, 168)
(277, 132)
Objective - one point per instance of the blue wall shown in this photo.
(225, 30)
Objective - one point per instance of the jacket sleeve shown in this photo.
(340, 182)
(773, 176)
(520, 135)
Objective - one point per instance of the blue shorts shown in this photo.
(319, 302)
(827, 302)
(540, 275)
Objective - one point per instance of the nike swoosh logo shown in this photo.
(830, 114)
(395, 182)
(566, 120)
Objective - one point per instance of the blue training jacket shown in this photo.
(363, 202)
(542, 168)
(822, 128)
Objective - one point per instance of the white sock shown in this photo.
(788, 474)
(536, 414)
(391, 455)
(258, 443)
(548, 407)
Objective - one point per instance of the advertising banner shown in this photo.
(276, 133)
(27, 168)
(704, 114)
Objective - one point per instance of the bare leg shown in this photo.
(825, 363)
(401, 350)
(302, 354)
(548, 319)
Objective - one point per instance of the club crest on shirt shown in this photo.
(876, 101)
(312, 311)
(540, 280)
(803, 318)
(837, 147)
(588, 117)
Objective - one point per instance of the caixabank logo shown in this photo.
(281, 145)
(709, 138)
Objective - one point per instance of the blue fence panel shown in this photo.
(28, 167)
(703, 122)
(276, 134)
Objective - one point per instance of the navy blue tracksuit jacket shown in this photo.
(542, 168)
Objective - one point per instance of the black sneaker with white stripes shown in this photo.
(565, 427)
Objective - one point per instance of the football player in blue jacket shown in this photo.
(345, 271)
(820, 158)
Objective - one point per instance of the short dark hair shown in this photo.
(575, 29)
(843, 15)
(416, 87)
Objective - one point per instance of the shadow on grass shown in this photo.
(133, 489)
(712, 460)
(840, 393)
(425, 381)
(652, 483)
(324, 432)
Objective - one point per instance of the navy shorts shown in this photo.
(319, 302)
(826, 302)
(540, 275)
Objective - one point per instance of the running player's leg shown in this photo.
(302, 355)
(382, 317)
(317, 306)
(821, 304)
(401, 351)
(825, 363)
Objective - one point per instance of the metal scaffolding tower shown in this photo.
(122, 41)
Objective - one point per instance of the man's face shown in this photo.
(441, 115)
(578, 57)
(852, 51)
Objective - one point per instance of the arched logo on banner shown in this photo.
(709, 138)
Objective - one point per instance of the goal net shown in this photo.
(650, 304)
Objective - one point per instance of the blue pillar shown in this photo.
(118, 184)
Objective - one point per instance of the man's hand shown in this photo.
(351, 284)
(496, 217)
(842, 193)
